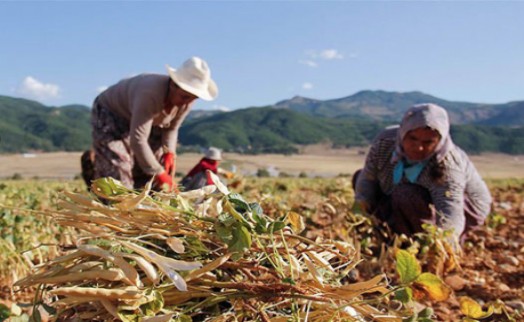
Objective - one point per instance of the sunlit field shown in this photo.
(315, 161)
(268, 248)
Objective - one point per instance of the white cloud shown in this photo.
(307, 86)
(221, 108)
(35, 89)
(314, 56)
(309, 63)
(100, 89)
(329, 54)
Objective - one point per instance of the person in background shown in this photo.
(198, 177)
(135, 123)
(415, 174)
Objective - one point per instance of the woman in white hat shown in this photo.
(198, 177)
(136, 121)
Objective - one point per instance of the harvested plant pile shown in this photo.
(199, 255)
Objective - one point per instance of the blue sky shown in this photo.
(261, 52)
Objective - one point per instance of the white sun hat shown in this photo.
(213, 154)
(194, 77)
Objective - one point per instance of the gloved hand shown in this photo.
(164, 181)
(169, 162)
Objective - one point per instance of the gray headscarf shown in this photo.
(426, 115)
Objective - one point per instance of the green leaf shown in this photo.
(276, 226)
(256, 208)
(261, 223)
(241, 239)
(224, 232)
(426, 312)
(195, 247)
(229, 208)
(257, 215)
(404, 295)
(433, 286)
(4, 312)
(408, 267)
(226, 219)
(109, 187)
(239, 203)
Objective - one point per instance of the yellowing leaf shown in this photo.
(408, 267)
(433, 286)
(472, 309)
(296, 221)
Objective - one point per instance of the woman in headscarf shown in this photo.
(415, 174)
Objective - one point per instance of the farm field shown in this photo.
(314, 161)
(489, 271)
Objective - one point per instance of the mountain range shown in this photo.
(390, 106)
(350, 121)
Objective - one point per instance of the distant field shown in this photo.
(316, 161)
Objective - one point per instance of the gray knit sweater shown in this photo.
(460, 179)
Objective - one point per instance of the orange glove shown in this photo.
(169, 162)
(164, 179)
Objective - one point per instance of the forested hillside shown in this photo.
(27, 126)
(263, 130)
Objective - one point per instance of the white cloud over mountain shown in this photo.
(34, 89)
